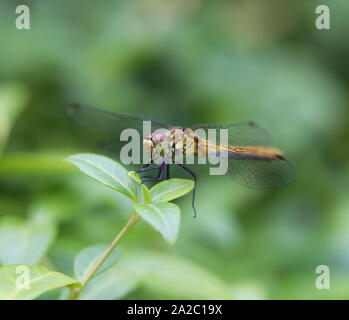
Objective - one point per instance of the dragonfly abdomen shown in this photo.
(262, 153)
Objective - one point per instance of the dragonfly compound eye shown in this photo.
(158, 137)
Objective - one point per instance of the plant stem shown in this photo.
(71, 293)
(132, 221)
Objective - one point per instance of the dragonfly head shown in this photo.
(152, 140)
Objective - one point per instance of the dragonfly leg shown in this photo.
(149, 177)
(161, 174)
(154, 177)
(145, 168)
(194, 176)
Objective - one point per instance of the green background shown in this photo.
(185, 62)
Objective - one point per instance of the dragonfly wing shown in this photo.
(100, 129)
(239, 134)
(261, 174)
(92, 116)
(258, 172)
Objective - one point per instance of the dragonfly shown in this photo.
(252, 161)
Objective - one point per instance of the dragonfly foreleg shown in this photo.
(145, 168)
(154, 177)
(161, 174)
(194, 176)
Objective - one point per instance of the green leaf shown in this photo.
(88, 257)
(162, 216)
(14, 280)
(171, 277)
(105, 171)
(24, 243)
(111, 284)
(147, 198)
(171, 189)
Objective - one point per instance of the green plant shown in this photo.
(152, 206)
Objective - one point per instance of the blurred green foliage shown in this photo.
(183, 62)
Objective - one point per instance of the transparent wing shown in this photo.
(260, 173)
(98, 129)
(239, 134)
(252, 173)
(97, 118)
